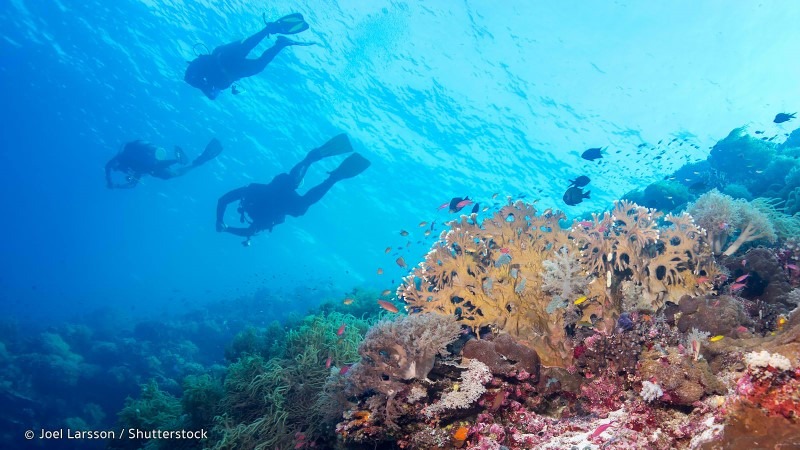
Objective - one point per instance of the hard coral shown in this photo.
(491, 276)
(683, 380)
(626, 245)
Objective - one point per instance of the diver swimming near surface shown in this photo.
(139, 158)
(265, 205)
(229, 63)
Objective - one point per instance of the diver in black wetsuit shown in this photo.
(139, 158)
(267, 205)
(229, 63)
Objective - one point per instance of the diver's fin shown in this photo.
(337, 145)
(283, 41)
(291, 24)
(350, 167)
(213, 149)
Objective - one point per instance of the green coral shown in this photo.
(269, 402)
(153, 410)
(201, 399)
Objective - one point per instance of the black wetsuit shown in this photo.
(229, 63)
(265, 205)
(140, 158)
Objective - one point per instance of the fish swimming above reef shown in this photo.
(575, 195)
(783, 117)
(581, 181)
(592, 154)
(457, 204)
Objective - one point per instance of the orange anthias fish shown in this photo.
(742, 278)
(389, 306)
(385, 292)
(328, 362)
(401, 262)
(460, 436)
(341, 329)
(380, 271)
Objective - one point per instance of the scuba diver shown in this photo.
(139, 158)
(229, 63)
(265, 205)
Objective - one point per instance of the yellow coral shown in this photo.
(491, 275)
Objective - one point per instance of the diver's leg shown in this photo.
(240, 231)
(162, 169)
(313, 195)
(298, 172)
(250, 67)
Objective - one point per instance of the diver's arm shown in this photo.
(222, 205)
(111, 166)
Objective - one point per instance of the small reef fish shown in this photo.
(401, 262)
(793, 267)
(456, 201)
(423, 223)
(783, 117)
(464, 203)
(403, 233)
(592, 154)
(344, 369)
(476, 208)
(385, 292)
(388, 306)
(737, 286)
(716, 338)
(580, 300)
(347, 301)
(702, 280)
(581, 181)
(600, 430)
(460, 437)
(780, 322)
(742, 278)
(341, 329)
(575, 195)
(328, 362)
(494, 196)
(585, 224)
(388, 250)
(504, 250)
(498, 401)
(380, 271)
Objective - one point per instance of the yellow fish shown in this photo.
(580, 300)
(347, 301)
(716, 338)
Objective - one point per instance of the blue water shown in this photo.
(445, 98)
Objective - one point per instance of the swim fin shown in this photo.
(337, 145)
(213, 149)
(291, 24)
(350, 167)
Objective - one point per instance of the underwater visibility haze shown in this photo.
(519, 224)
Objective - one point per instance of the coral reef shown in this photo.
(504, 356)
(720, 215)
(521, 273)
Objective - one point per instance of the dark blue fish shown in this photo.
(783, 117)
(592, 154)
(581, 181)
(575, 195)
(476, 208)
